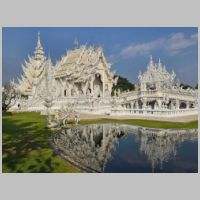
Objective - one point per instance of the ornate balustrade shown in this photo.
(167, 93)
(156, 92)
(177, 112)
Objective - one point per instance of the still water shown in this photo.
(118, 148)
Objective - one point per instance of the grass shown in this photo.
(145, 123)
(26, 142)
(26, 145)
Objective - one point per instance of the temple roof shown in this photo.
(156, 72)
(80, 63)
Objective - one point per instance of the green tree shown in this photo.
(185, 86)
(123, 84)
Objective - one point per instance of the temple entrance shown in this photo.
(98, 86)
(79, 89)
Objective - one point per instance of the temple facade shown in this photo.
(83, 77)
(84, 72)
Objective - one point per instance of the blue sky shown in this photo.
(128, 49)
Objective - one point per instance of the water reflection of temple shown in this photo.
(89, 147)
(160, 145)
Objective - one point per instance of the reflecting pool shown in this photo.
(123, 148)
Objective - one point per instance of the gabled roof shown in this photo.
(80, 63)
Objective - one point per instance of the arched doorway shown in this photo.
(98, 86)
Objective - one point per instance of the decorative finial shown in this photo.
(151, 60)
(159, 63)
(75, 43)
(39, 53)
(38, 42)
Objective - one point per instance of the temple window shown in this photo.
(183, 105)
(65, 93)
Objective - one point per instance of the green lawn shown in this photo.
(26, 142)
(26, 145)
(145, 123)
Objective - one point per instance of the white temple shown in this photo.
(83, 78)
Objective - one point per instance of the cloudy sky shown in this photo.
(128, 49)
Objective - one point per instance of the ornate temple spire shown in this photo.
(150, 65)
(39, 52)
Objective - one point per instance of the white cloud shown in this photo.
(172, 45)
(178, 41)
(142, 49)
